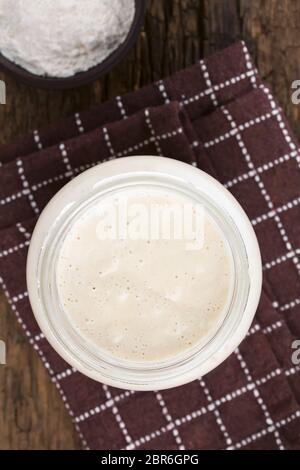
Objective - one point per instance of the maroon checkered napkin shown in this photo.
(216, 115)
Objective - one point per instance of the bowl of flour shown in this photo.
(66, 43)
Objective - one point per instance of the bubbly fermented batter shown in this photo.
(63, 37)
(145, 299)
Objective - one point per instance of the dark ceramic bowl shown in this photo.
(90, 75)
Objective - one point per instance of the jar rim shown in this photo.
(83, 191)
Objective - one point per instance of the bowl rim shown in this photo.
(81, 78)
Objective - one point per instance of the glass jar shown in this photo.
(79, 195)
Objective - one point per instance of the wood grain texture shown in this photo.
(176, 34)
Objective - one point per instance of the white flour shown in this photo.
(59, 38)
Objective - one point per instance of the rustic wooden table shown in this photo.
(176, 33)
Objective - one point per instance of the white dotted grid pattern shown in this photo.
(21, 297)
(281, 423)
(14, 249)
(249, 387)
(117, 416)
(262, 168)
(282, 259)
(169, 419)
(215, 88)
(168, 427)
(13, 197)
(288, 306)
(121, 107)
(278, 210)
(79, 169)
(66, 160)
(152, 132)
(241, 127)
(79, 124)
(264, 432)
(23, 231)
(108, 143)
(61, 375)
(26, 186)
(229, 184)
(103, 406)
(254, 329)
(11, 301)
(236, 131)
(267, 329)
(161, 87)
(259, 399)
(249, 65)
(212, 407)
(257, 178)
(208, 82)
(76, 170)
